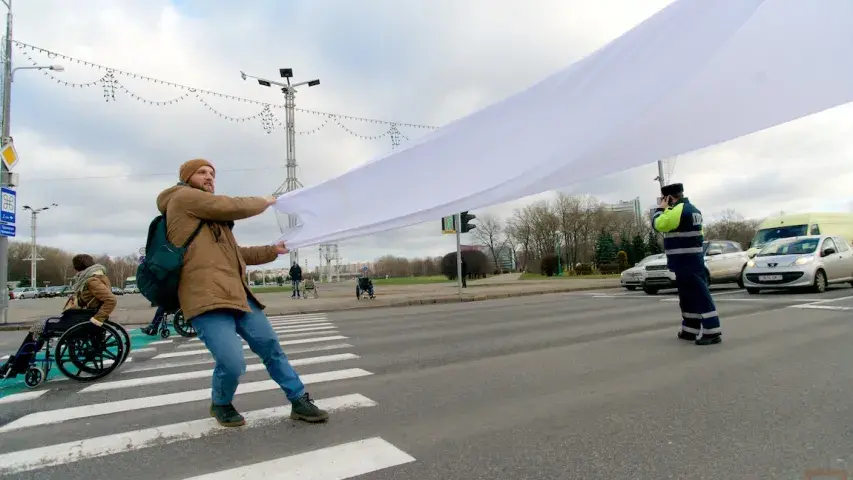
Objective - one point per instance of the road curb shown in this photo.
(368, 304)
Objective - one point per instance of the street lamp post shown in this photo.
(5, 139)
(34, 254)
(291, 183)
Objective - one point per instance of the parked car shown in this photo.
(635, 276)
(54, 291)
(117, 291)
(725, 262)
(25, 292)
(808, 261)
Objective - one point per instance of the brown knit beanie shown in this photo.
(191, 166)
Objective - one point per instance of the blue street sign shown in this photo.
(8, 205)
(7, 230)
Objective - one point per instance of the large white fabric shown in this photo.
(695, 74)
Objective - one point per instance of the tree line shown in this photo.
(578, 233)
(56, 267)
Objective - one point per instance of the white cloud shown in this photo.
(403, 61)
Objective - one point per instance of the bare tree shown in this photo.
(488, 233)
(730, 225)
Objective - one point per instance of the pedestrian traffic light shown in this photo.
(465, 219)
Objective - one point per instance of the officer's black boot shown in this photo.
(709, 339)
(690, 337)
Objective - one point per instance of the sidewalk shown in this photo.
(135, 310)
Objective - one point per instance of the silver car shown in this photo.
(812, 261)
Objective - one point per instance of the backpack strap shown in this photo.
(195, 232)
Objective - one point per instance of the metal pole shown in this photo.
(4, 172)
(33, 250)
(457, 227)
(291, 183)
(660, 174)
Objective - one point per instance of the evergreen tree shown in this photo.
(605, 248)
(653, 246)
(639, 249)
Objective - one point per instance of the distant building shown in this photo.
(631, 207)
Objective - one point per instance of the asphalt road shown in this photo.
(565, 386)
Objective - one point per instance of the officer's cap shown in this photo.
(672, 189)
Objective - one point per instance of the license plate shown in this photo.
(770, 278)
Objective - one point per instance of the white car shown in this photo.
(634, 277)
(25, 292)
(725, 262)
(812, 261)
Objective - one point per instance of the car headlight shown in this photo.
(750, 263)
(804, 260)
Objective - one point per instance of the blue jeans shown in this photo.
(295, 284)
(219, 330)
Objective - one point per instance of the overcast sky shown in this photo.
(415, 61)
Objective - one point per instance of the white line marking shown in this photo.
(175, 377)
(69, 452)
(105, 408)
(290, 320)
(730, 292)
(142, 350)
(22, 397)
(296, 315)
(160, 342)
(302, 323)
(829, 300)
(326, 326)
(246, 347)
(280, 337)
(162, 366)
(332, 463)
(822, 307)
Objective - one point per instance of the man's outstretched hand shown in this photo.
(281, 248)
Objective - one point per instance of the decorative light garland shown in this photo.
(268, 120)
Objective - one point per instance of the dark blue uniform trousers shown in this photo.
(698, 312)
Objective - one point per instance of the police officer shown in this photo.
(681, 224)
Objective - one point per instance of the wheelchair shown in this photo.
(83, 351)
(364, 285)
(182, 326)
(309, 286)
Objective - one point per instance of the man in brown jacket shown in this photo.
(213, 292)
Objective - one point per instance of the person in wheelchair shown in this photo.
(365, 284)
(90, 291)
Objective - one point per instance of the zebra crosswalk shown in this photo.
(77, 423)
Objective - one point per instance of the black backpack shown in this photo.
(159, 273)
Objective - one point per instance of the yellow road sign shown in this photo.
(9, 155)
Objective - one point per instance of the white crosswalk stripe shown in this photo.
(150, 385)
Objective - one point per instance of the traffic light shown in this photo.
(465, 219)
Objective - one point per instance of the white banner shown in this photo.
(695, 74)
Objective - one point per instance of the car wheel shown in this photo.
(631, 288)
(740, 277)
(819, 282)
(753, 291)
(650, 290)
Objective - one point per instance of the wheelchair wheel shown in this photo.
(87, 352)
(34, 376)
(125, 336)
(165, 333)
(182, 326)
